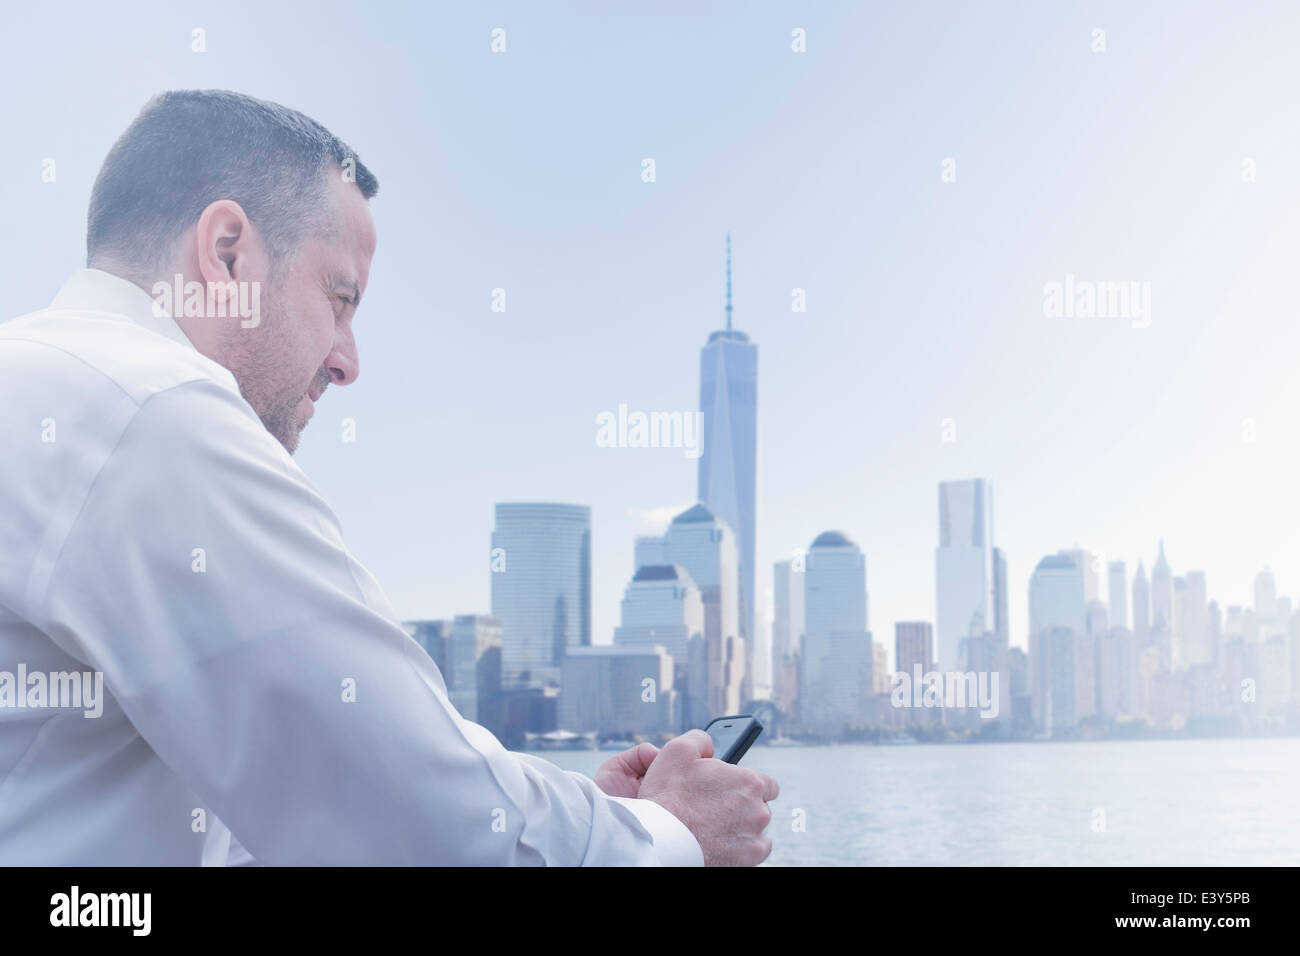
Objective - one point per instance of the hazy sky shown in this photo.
(522, 171)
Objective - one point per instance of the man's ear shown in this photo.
(228, 247)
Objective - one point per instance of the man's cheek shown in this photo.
(323, 343)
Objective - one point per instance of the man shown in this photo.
(259, 702)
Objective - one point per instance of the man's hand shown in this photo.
(723, 805)
(621, 774)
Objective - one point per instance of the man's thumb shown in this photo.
(691, 745)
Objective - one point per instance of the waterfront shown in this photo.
(1158, 802)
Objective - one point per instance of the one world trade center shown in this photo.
(729, 403)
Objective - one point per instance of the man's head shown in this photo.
(237, 193)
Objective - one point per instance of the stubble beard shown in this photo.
(280, 414)
(260, 379)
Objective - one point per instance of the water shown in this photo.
(1121, 803)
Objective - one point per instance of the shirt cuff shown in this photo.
(674, 843)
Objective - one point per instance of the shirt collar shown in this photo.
(93, 290)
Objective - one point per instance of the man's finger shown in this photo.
(637, 760)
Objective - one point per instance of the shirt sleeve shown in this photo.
(674, 843)
(238, 855)
(208, 580)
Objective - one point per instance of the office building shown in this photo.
(1141, 605)
(837, 658)
(473, 671)
(702, 544)
(648, 550)
(913, 648)
(787, 628)
(433, 636)
(542, 594)
(728, 462)
(1057, 626)
(1117, 593)
(663, 608)
(965, 598)
(618, 691)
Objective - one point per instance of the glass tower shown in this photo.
(541, 588)
(729, 403)
(837, 652)
(967, 576)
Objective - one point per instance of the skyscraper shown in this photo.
(1096, 618)
(541, 588)
(1087, 563)
(1001, 621)
(1117, 591)
(473, 674)
(1162, 593)
(787, 628)
(661, 606)
(966, 601)
(1216, 633)
(880, 682)
(647, 550)
(727, 469)
(1266, 604)
(837, 649)
(1164, 624)
(913, 647)
(1117, 673)
(759, 667)
(1193, 616)
(705, 546)
(617, 689)
(433, 636)
(1293, 630)
(1057, 626)
(1141, 604)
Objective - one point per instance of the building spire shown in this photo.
(1162, 563)
(728, 282)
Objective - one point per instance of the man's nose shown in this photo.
(343, 364)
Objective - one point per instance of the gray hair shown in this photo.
(188, 149)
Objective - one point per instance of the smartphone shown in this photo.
(733, 735)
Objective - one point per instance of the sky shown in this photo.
(522, 170)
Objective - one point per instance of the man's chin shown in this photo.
(286, 431)
(292, 444)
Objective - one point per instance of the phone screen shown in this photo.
(732, 736)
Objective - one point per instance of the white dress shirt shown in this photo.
(227, 735)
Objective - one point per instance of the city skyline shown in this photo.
(1194, 661)
(1065, 637)
(663, 570)
(924, 297)
(727, 465)
(971, 580)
